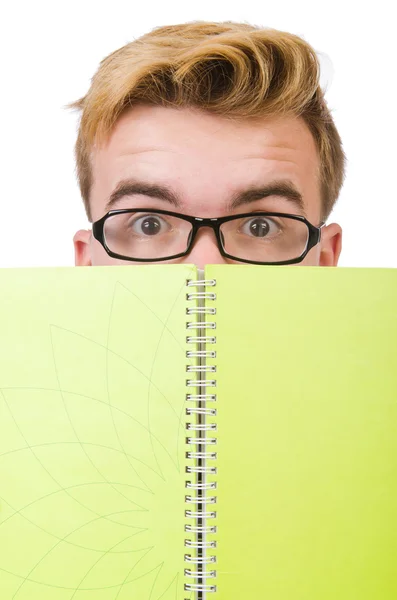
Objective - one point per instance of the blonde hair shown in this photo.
(234, 70)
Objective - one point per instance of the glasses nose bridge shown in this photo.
(210, 223)
(206, 221)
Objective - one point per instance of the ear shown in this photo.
(82, 253)
(331, 245)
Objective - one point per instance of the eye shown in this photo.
(260, 227)
(149, 225)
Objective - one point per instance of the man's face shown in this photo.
(206, 160)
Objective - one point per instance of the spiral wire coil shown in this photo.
(201, 436)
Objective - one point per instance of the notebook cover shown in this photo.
(92, 433)
(307, 433)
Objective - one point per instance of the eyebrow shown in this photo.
(282, 188)
(131, 187)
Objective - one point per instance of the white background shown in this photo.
(50, 50)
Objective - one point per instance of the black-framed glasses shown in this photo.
(152, 235)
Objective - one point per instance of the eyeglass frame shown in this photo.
(214, 224)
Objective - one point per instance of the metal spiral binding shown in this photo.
(200, 438)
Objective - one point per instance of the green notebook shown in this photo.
(172, 434)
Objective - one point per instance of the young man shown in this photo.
(209, 120)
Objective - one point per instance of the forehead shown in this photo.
(192, 129)
(199, 153)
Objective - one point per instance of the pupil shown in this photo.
(151, 226)
(259, 227)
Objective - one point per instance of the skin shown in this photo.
(206, 159)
